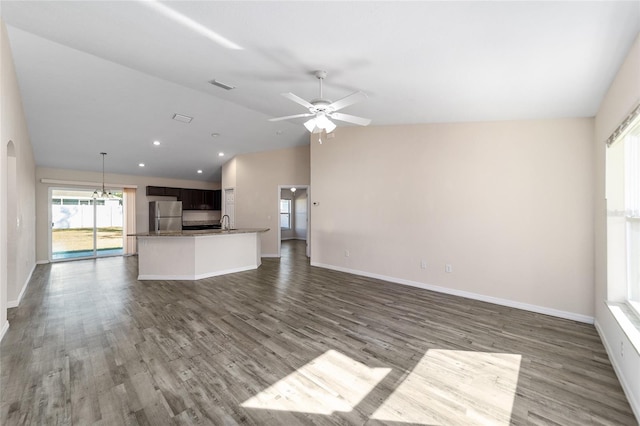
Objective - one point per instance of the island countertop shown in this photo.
(197, 254)
(199, 232)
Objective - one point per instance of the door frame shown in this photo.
(279, 233)
(95, 229)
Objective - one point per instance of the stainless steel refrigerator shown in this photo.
(165, 216)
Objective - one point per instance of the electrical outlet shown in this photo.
(423, 264)
(448, 268)
(346, 253)
(621, 349)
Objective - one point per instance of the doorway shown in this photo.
(293, 205)
(83, 227)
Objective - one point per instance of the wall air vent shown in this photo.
(183, 118)
(222, 85)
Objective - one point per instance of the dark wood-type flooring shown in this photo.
(290, 344)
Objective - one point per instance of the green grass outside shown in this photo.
(79, 239)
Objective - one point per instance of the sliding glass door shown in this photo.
(82, 227)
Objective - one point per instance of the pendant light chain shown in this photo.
(104, 194)
(103, 154)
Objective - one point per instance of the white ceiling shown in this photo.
(108, 76)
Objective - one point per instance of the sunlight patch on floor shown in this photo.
(455, 387)
(331, 382)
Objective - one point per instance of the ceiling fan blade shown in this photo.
(347, 100)
(297, 99)
(350, 118)
(308, 114)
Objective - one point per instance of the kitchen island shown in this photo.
(193, 255)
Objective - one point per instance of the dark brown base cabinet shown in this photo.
(192, 199)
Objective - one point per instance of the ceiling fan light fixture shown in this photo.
(319, 124)
(327, 125)
(322, 121)
(311, 125)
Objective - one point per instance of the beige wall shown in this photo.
(17, 188)
(623, 95)
(257, 177)
(507, 204)
(229, 174)
(142, 201)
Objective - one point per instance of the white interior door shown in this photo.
(230, 206)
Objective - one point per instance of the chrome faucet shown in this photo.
(228, 225)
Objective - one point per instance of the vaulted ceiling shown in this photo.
(109, 75)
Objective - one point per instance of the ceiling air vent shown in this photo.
(222, 85)
(183, 118)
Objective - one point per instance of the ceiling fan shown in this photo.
(322, 110)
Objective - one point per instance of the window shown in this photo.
(623, 216)
(285, 214)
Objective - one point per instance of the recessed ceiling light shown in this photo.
(182, 117)
(221, 154)
(156, 143)
(199, 171)
(215, 135)
(140, 164)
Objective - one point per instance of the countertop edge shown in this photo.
(199, 233)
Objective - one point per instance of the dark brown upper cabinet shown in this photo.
(192, 199)
(163, 191)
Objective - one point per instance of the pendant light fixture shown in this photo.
(103, 194)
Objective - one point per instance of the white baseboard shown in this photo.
(496, 300)
(42, 262)
(16, 303)
(634, 403)
(269, 255)
(4, 329)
